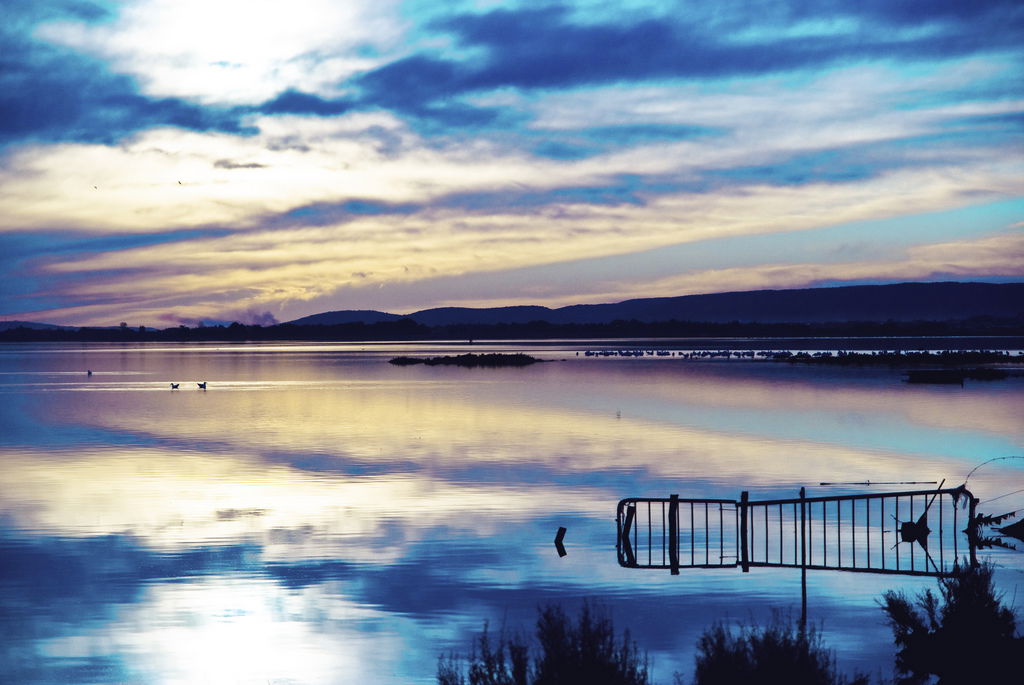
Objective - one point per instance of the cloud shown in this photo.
(169, 177)
(831, 129)
(299, 261)
(550, 48)
(968, 15)
(56, 97)
(295, 102)
(156, 62)
(229, 164)
(236, 52)
(51, 93)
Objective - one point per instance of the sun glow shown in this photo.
(236, 51)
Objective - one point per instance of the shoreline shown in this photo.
(808, 343)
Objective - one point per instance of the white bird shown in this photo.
(202, 386)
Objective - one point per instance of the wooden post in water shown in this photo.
(673, 533)
(744, 559)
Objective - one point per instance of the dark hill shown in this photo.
(345, 316)
(898, 302)
(444, 316)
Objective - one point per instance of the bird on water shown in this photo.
(174, 386)
(202, 386)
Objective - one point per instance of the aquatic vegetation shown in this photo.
(965, 634)
(566, 652)
(780, 652)
(967, 637)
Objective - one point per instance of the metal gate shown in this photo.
(921, 532)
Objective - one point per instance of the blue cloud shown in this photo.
(50, 93)
(824, 166)
(48, 244)
(624, 189)
(20, 14)
(296, 102)
(24, 256)
(1011, 123)
(424, 87)
(565, 151)
(325, 213)
(648, 133)
(602, 139)
(620, 189)
(413, 80)
(547, 48)
(916, 12)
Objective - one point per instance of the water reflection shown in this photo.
(318, 515)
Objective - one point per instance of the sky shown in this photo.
(166, 162)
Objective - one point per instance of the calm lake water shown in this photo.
(318, 515)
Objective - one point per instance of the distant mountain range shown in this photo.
(901, 302)
(896, 302)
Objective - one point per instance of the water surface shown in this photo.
(320, 516)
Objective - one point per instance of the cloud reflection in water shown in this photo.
(323, 519)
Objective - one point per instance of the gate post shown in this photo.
(803, 562)
(744, 560)
(803, 529)
(673, 533)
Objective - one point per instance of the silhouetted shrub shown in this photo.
(584, 652)
(778, 653)
(970, 638)
(964, 635)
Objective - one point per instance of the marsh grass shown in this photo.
(962, 635)
(965, 634)
(780, 652)
(583, 651)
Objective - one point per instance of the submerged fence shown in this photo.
(921, 532)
